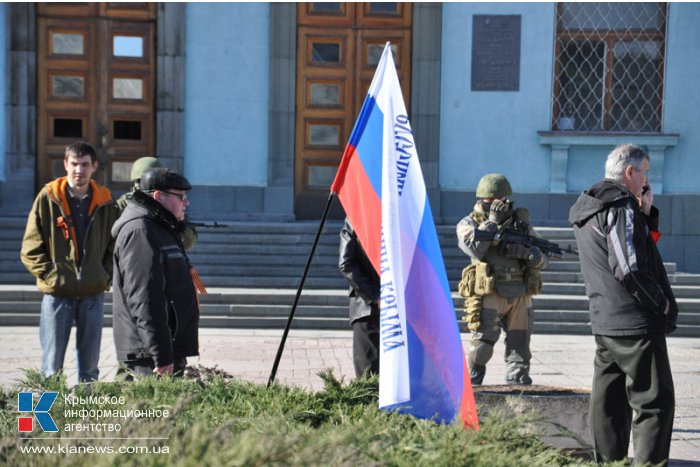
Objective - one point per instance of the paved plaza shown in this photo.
(558, 360)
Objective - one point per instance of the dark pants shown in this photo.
(632, 388)
(131, 369)
(365, 345)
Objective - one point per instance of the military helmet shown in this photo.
(143, 164)
(493, 186)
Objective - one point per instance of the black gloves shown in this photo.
(533, 255)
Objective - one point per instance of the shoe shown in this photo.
(477, 374)
(524, 380)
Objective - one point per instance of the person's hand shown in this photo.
(646, 200)
(668, 307)
(499, 211)
(536, 260)
(164, 370)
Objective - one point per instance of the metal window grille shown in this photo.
(609, 67)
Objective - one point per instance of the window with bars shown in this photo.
(609, 67)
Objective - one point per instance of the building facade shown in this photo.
(254, 102)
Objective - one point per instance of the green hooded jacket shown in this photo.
(49, 249)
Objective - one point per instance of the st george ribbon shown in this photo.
(422, 366)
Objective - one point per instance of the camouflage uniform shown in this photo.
(498, 288)
(189, 235)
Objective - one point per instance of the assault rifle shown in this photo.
(215, 225)
(517, 235)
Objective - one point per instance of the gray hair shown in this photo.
(621, 157)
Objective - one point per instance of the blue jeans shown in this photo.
(57, 317)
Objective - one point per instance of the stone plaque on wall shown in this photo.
(496, 53)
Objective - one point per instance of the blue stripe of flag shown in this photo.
(367, 139)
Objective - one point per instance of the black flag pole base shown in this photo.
(301, 287)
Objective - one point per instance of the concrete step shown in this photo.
(331, 228)
(686, 291)
(685, 279)
(16, 278)
(541, 326)
(275, 323)
(12, 266)
(686, 295)
(548, 327)
(332, 297)
(554, 308)
(264, 282)
(12, 234)
(252, 270)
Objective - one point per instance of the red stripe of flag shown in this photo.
(361, 203)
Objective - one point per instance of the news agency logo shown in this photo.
(25, 403)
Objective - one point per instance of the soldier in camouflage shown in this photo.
(144, 164)
(499, 283)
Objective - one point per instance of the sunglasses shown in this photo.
(181, 196)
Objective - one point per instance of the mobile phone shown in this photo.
(645, 188)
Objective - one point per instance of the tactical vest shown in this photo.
(509, 274)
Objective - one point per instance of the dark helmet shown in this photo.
(493, 186)
(143, 164)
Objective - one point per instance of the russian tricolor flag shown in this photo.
(380, 184)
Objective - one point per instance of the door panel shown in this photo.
(128, 10)
(326, 93)
(337, 15)
(371, 44)
(338, 48)
(96, 75)
(66, 90)
(128, 96)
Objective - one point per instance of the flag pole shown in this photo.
(301, 286)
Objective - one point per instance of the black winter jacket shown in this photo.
(360, 275)
(154, 298)
(626, 282)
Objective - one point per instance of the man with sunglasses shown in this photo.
(144, 164)
(156, 314)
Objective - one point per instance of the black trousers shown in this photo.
(131, 369)
(632, 390)
(365, 345)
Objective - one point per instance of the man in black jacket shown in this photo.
(364, 302)
(632, 308)
(156, 314)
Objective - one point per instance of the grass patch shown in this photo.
(218, 420)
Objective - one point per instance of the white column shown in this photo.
(560, 159)
(656, 173)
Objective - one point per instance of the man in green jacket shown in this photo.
(68, 247)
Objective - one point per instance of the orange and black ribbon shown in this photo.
(198, 284)
(61, 224)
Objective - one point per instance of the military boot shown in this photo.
(520, 379)
(518, 375)
(476, 374)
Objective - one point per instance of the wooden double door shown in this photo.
(338, 48)
(96, 82)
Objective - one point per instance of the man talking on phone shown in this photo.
(632, 309)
